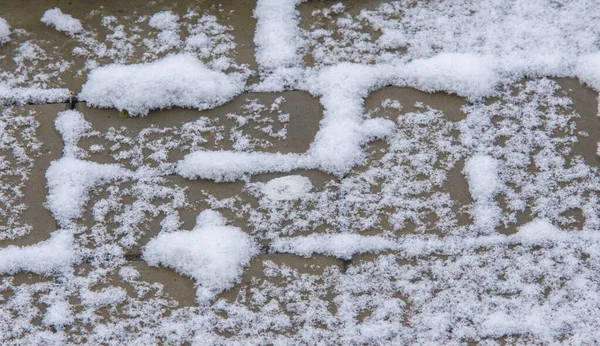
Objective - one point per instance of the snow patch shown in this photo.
(4, 30)
(287, 188)
(277, 36)
(164, 20)
(58, 313)
(482, 174)
(212, 254)
(62, 22)
(539, 231)
(338, 245)
(588, 70)
(45, 258)
(20, 96)
(178, 80)
(231, 165)
(70, 180)
(72, 126)
(468, 75)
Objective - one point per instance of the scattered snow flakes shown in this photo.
(45, 258)
(287, 188)
(212, 254)
(168, 37)
(177, 80)
(4, 30)
(62, 22)
(19, 147)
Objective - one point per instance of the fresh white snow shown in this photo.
(24, 95)
(164, 20)
(338, 245)
(72, 126)
(45, 258)
(482, 174)
(69, 181)
(212, 254)
(177, 80)
(277, 35)
(61, 21)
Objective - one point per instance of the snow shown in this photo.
(4, 30)
(61, 21)
(178, 80)
(58, 313)
(588, 70)
(164, 20)
(469, 75)
(443, 268)
(277, 36)
(44, 258)
(231, 165)
(287, 188)
(482, 174)
(26, 95)
(212, 254)
(342, 246)
(72, 126)
(538, 232)
(69, 181)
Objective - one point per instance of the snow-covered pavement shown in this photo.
(300, 172)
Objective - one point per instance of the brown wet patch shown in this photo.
(35, 190)
(585, 103)
(409, 97)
